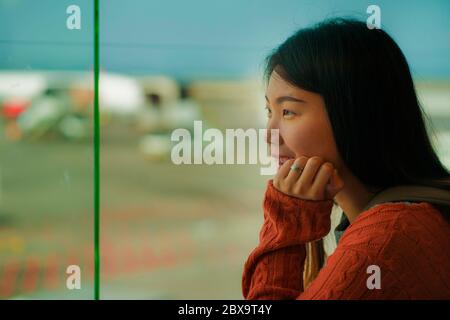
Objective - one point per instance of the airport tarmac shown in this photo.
(167, 232)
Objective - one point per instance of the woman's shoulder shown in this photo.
(409, 242)
(398, 223)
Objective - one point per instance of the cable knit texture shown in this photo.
(410, 243)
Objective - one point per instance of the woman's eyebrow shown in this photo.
(282, 99)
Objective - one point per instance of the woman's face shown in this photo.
(302, 121)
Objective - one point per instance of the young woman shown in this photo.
(350, 125)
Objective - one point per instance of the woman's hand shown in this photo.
(313, 180)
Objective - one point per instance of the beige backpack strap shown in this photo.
(414, 193)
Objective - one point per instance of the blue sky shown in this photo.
(203, 38)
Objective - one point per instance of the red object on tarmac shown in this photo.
(13, 108)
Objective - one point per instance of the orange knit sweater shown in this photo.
(410, 243)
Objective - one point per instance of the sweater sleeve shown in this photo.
(274, 269)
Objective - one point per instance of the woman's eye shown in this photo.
(288, 113)
(269, 112)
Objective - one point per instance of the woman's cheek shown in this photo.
(311, 141)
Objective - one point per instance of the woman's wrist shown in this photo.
(293, 220)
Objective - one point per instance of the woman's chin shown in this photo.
(282, 160)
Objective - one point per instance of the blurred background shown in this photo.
(167, 231)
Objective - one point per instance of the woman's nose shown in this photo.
(272, 135)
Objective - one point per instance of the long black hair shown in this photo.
(370, 99)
